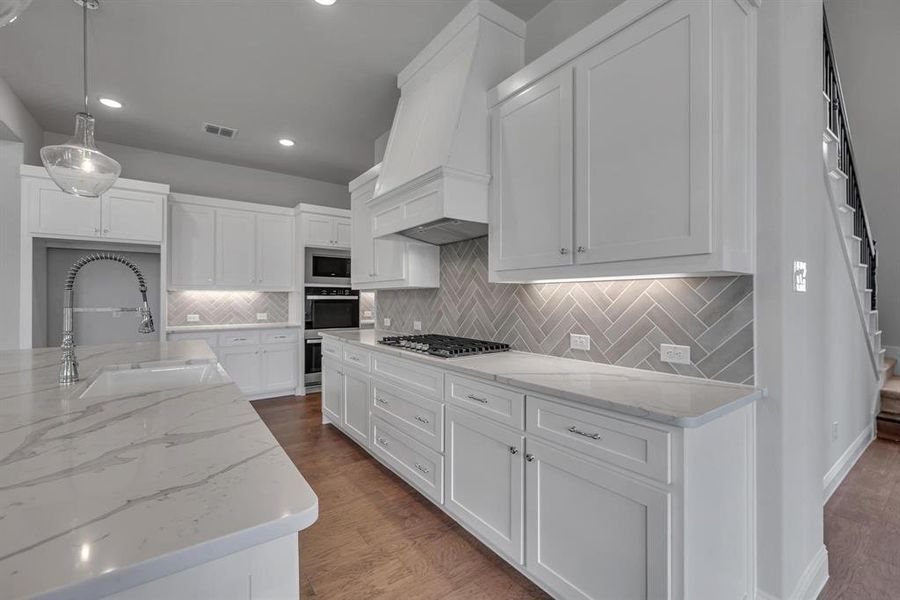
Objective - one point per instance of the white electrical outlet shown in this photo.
(367, 314)
(579, 342)
(387, 322)
(799, 276)
(671, 353)
(417, 325)
(262, 316)
(193, 318)
(834, 431)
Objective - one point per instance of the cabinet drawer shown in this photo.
(420, 418)
(492, 401)
(331, 348)
(423, 380)
(279, 336)
(212, 339)
(644, 450)
(355, 357)
(422, 467)
(239, 338)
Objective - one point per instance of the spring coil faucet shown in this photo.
(68, 367)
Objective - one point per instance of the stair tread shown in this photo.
(890, 363)
(891, 388)
(889, 417)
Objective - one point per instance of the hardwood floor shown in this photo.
(376, 537)
(862, 528)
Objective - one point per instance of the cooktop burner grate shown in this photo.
(445, 346)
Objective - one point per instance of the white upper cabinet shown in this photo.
(192, 242)
(650, 168)
(325, 231)
(386, 263)
(131, 211)
(235, 248)
(274, 251)
(342, 232)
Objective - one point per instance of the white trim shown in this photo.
(810, 584)
(315, 209)
(121, 182)
(365, 178)
(842, 465)
(231, 204)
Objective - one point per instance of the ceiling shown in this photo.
(323, 76)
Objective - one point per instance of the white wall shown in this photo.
(866, 48)
(206, 178)
(559, 20)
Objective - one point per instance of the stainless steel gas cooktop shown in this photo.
(444, 346)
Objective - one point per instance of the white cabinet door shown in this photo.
(531, 189)
(279, 367)
(274, 252)
(243, 364)
(389, 260)
(56, 212)
(192, 245)
(235, 248)
(342, 232)
(332, 391)
(484, 479)
(362, 266)
(594, 534)
(356, 404)
(318, 230)
(643, 139)
(133, 216)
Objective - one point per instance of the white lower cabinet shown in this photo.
(355, 404)
(279, 367)
(484, 481)
(422, 467)
(332, 391)
(592, 532)
(243, 366)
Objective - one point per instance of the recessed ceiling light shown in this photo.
(326, 2)
(285, 141)
(110, 103)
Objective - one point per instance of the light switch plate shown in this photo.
(417, 325)
(579, 342)
(262, 316)
(367, 314)
(387, 322)
(671, 353)
(193, 318)
(799, 276)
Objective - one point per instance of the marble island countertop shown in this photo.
(102, 494)
(671, 399)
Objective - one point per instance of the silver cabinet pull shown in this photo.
(382, 441)
(580, 249)
(353, 357)
(477, 399)
(529, 457)
(593, 436)
(421, 468)
(422, 419)
(238, 339)
(513, 450)
(563, 251)
(382, 401)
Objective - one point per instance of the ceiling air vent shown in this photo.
(220, 130)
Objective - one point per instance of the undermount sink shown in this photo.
(114, 381)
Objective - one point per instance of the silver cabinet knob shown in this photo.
(421, 419)
(580, 249)
(513, 450)
(529, 457)
(563, 251)
(106, 231)
(421, 468)
(382, 441)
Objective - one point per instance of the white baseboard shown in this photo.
(842, 466)
(810, 584)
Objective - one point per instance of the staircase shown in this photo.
(887, 424)
(850, 220)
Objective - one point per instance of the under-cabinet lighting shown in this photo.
(110, 103)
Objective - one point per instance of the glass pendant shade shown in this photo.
(77, 166)
(11, 9)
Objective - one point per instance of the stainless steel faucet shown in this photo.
(68, 367)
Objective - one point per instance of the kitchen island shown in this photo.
(117, 487)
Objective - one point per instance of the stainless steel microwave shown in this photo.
(327, 267)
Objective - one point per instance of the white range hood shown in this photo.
(434, 178)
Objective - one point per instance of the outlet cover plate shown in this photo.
(262, 316)
(387, 322)
(799, 276)
(671, 353)
(579, 342)
(417, 325)
(193, 318)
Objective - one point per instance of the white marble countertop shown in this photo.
(99, 495)
(230, 327)
(671, 399)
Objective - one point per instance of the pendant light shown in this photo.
(11, 9)
(77, 166)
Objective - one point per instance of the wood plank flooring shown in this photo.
(376, 537)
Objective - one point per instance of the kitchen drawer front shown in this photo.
(279, 336)
(492, 401)
(422, 467)
(331, 348)
(426, 381)
(355, 357)
(644, 450)
(212, 339)
(419, 417)
(239, 338)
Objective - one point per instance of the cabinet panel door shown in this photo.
(192, 245)
(318, 230)
(594, 534)
(356, 404)
(243, 365)
(362, 266)
(131, 215)
(236, 248)
(484, 479)
(56, 212)
(531, 189)
(332, 391)
(274, 252)
(279, 367)
(342, 232)
(643, 139)
(389, 260)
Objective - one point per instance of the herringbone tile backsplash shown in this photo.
(226, 308)
(627, 320)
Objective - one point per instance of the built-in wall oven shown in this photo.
(327, 267)
(326, 308)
